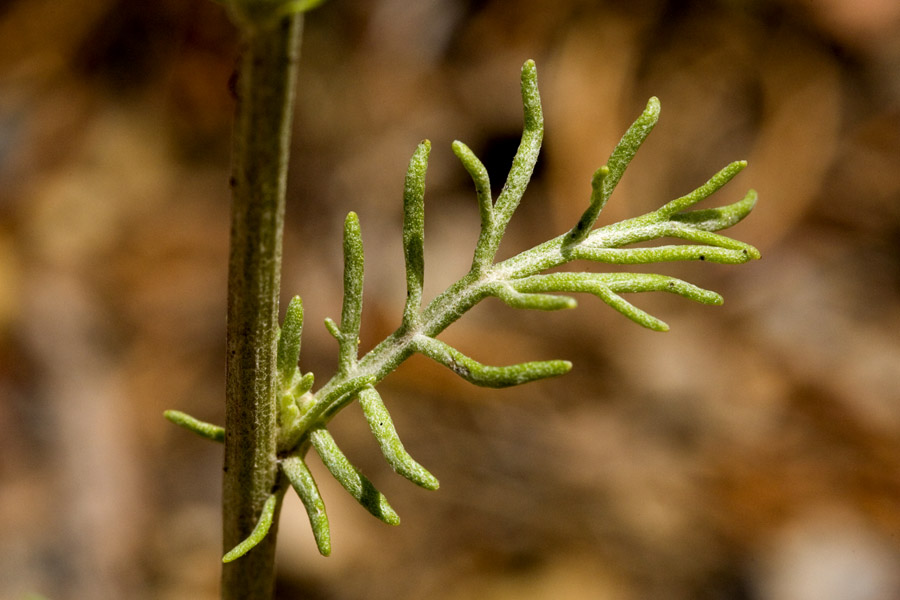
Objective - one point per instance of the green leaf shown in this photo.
(350, 478)
(484, 375)
(643, 256)
(524, 161)
(333, 329)
(628, 146)
(479, 174)
(715, 183)
(259, 532)
(414, 231)
(607, 177)
(599, 196)
(201, 428)
(649, 229)
(288, 411)
(288, 353)
(723, 217)
(607, 286)
(351, 312)
(302, 385)
(302, 481)
(379, 420)
(514, 298)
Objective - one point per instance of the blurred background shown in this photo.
(751, 453)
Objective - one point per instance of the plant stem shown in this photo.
(264, 89)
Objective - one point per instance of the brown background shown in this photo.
(751, 453)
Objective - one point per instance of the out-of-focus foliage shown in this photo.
(691, 483)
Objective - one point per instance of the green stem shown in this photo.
(264, 90)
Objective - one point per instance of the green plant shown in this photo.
(272, 405)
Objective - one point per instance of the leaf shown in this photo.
(414, 231)
(201, 428)
(483, 255)
(514, 298)
(351, 312)
(379, 420)
(259, 531)
(303, 483)
(523, 162)
(288, 353)
(350, 477)
(484, 375)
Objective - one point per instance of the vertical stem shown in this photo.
(264, 90)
